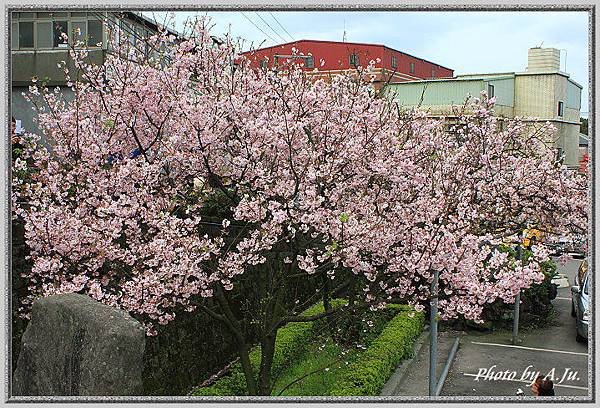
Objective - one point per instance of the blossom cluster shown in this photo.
(382, 194)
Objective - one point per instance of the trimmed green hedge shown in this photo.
(369, 373)
(292, 340)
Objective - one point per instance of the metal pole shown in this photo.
(515, 331)
(433, 326)
(440, 384)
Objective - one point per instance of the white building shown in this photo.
(541, 92)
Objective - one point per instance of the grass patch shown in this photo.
(315, 371)
(353, 355)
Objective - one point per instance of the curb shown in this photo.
(394, 381)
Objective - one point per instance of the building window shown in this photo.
(263, 63)
(560, 154)
(94, 32)
(44, 34)
(433, 72)
(78, 31)
(490, 91)
(354, 60)
(60, 27)
(394, 62)
(561, 109)
(26, 34)
(309, 62)
(412, 68)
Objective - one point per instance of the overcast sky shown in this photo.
(466, 41)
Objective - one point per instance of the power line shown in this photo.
(252, 22)
(269, 25)
(280, 25)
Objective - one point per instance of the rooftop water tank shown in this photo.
(543, 59)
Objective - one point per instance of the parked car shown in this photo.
(580, 301)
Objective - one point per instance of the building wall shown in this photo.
(335, 56)
(568, 141)
(434, 93)
(413, 66)
(535, 95)
(583, 151)
(573, 96)
(567, 92)
(527, 95)
(43, 64)
(504, 91)
(440, 96)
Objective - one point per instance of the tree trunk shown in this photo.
(248, 370)
(266, 364)
(243, 347)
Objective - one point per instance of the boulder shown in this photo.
(74, 345)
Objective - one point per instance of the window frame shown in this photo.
(394, 61)
(411, 68)
(354, 60)
(491, 90)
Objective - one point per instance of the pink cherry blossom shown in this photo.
(354, 186)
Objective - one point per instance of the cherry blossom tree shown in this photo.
(173, 179)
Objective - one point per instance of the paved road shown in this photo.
(488, 365)
(508, 368)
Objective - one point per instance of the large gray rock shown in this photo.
(75, 345)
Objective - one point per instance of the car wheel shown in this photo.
(580, 339)
(573, 314)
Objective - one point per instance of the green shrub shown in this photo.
(369, 373)
(292, 339)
